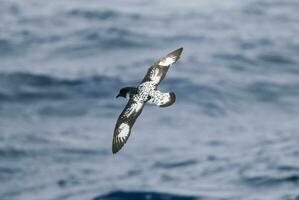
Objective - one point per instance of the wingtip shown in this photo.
(115, 150)
(177, 52)
(116, 145)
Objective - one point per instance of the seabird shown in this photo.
(146, 92)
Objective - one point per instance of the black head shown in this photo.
(124, 91)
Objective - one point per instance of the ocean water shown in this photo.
(232, 134)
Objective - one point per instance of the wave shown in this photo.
(272, 92)
(143, 195)
(170, 165)
(20, 87)
(272, 180)
(59, 37)
(77, 42)
(95, 40)
(94, 36)
(99, 14)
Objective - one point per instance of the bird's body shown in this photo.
(146, 92)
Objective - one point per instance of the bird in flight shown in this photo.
(146, 92)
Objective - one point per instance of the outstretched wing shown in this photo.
(162, 99)
(157, 72)
(125, 123)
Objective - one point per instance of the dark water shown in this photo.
(232, 134)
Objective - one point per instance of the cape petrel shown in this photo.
(146, 92)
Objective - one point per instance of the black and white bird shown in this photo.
(146, 92)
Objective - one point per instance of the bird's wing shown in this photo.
(162, 99)
(125, 123)
(157, 71)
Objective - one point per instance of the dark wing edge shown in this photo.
(125, 123)
(163, 99)
(170, 99)
(157, 72)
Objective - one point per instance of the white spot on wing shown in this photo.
(123, 130)
(133, 108)
(154, 75)
(129, 111)
(138, 106)
(167, 61)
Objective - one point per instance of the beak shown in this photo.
(118, 96)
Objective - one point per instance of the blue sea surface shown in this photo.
(232, 134)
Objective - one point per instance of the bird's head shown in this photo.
(124, 92)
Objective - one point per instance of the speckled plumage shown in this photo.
(146, 92)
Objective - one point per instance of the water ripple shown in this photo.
(139, 195)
